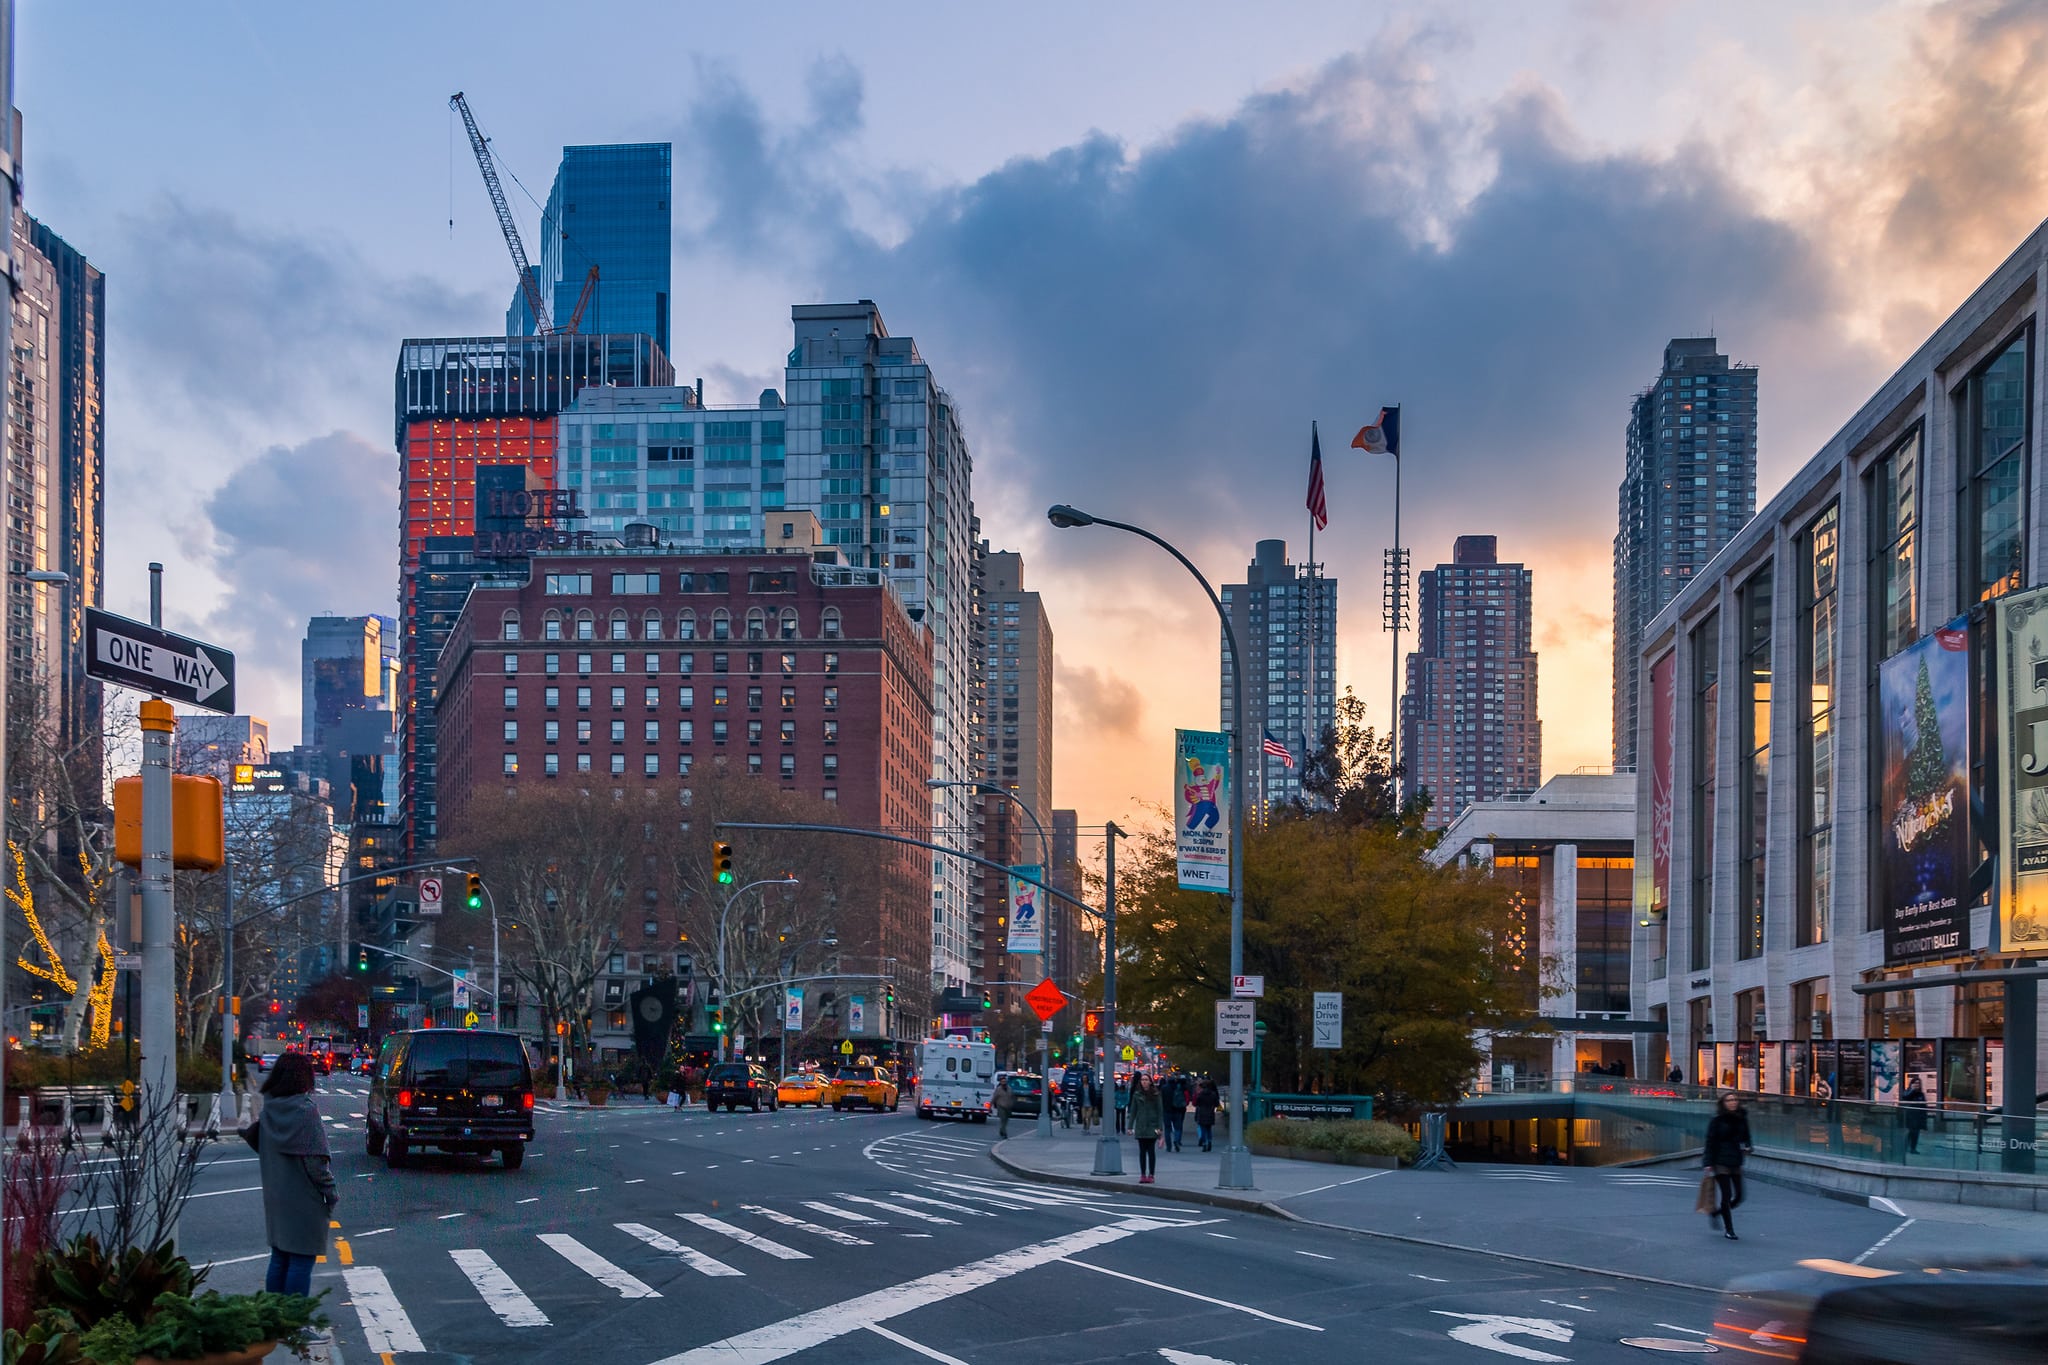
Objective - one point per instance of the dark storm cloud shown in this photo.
(765, 186)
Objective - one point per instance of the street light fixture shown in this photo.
(731, 901)
(1236, 1165)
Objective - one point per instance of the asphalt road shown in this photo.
(635, 1236)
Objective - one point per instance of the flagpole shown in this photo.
(1394, 664)
(1315, 602)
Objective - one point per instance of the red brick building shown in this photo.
(619, 666)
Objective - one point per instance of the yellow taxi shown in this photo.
(854, 1084)
(800, 1088)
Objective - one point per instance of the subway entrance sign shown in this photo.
(148, 659)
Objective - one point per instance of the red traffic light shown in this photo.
(1091, 1022)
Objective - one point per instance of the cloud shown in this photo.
(1099, 703)
(298, 531)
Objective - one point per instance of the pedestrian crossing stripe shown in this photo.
(598, 1268)
(940, 1204)
(835, 1211)
(745, 1238)
(898, 1208)
(845, 1239)
(500, 1294)
(386, 1327)
(689, 1256)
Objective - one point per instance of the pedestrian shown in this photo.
(1207, 1101)
(1173, 1099)
(1914, 1105)
(1727, 1143)
(1147, 1122)
(1091, 1100)
(298, 1187)
(1123, 1103)
(1004, 1102)
(1677, 1076)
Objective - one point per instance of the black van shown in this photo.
(461, 1090)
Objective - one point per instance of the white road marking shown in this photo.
(500, 1295)
(898, 1208)
(1337, 1184)
(1575, 1307)
(1191, 1294)
(1485, 1331)
(690, 1256)
(845, 1239)
(1224, 1235)
(242, 1260)
(586, 1189)
(371, 1233)
(919, 1347)
(1879, 1246)
(745, 1238)
(957, 1193)
(779, 1340)
(534, 1200)
(638, 1180)
(1879, 1202)
(1689, 1331)
(597, 1267)
(446, 1216)
(1041, 1199)
(1317, 1254)
(969, 1210)
(1431, 1278)
(847, 1215)
(1190, 1358)
(385, 1325)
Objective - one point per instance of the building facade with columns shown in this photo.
(1568, 850)
(1782, 738)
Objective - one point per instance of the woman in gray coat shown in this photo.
(298, 1188)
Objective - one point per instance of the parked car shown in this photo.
(733, 1084)
(862, 1085)
(459, 1090)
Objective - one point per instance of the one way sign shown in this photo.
(119, 650)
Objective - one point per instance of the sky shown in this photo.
(1144, 246)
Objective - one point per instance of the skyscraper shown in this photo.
(609, 208)
(1275, 612)
(1013, 739)
(348, 722)
(1469, 730)
(875, 447)
(1689, 485)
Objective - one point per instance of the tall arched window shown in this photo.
(686, 624)
(828, 623)
(721, 625)
(789, 623)
(619, 625)
(510, 629)
(551, 626)
(757, 624)
(650, 626)
(586, 625)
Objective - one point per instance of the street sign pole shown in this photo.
(1109, 1157)
(159, 1011)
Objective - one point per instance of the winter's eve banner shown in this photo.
(1924, 705)
(1201, 800)
(2022, 703)
(1027, 926)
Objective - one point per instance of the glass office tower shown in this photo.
(609, 208)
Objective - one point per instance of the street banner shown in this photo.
(461, 1000)
(1027, 926)
(793, 1010)
(857, 1015)
(1202, 795)
(1663, 719)
(1926, 852)
(1329, 1026)
(2022, 763)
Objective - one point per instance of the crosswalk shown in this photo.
(512, 1282)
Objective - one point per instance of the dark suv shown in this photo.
(461, 1090)
(733, 1084)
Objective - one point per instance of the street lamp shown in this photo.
(730, 902)
(1236, 1165)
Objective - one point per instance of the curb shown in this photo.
(1217, 1199)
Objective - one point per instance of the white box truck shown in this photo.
(956, 1078)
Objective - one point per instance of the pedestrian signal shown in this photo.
(1091, 1023)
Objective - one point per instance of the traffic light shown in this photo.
(889, 996)
(362, 959)
(721, 862)
(718, 1021)
(988, 1001)
(1091, 1022)
(475, 897)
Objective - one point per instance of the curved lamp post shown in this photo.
(1236, 1165)
(730, 902)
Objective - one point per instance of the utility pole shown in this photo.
(1109, 1157)
(159, 1021)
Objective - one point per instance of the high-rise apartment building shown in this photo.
(1689, 485)
(1285, 618)
(1469, 730)
(465, 404)
(56, 471)
(875, 447)
(609, 209)
(348, 685)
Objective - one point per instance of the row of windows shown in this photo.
(650, 766)
(686, 698)
(653, 626)
(686, 731)
(551, 664)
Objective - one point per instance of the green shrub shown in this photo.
(1357, 1137)
(186, 1329)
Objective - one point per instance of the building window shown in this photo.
(551, 628)
(650, 697)
(552, 663)
(686, 664)
(586, 626)
(789, 698)
(683, 762)
(789, 623)
(789, 732)
(582, 699)
(721, 625)
(618, 699)
(618, 732)
(753, 732)
(1818, 546)
(583, 763)
(828, 623)
(754, 662)
(831, 794)
(551, 697)
(719, 696)
(650, 765)
(832, 765)
(1706, 758)
(650, 628)
(650, 663)
(618, 765)
(686, 731)
(1992, 422)
(789, 665)
(550, 764)
(831, 699)
(686, 697)
(757, 624)
(788, 767)
(1754, 792)
(718, 732)
(511, 731)
(583, 664)
(686, 624)
(721, 663)
(583, 732)
(831, 665)
(651, 731)
(552, 731)
(511, 765)
(831, 732)
(511, 663)
(753, 699)
(511, 699)
(753, 765)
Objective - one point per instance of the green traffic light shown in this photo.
(725, 878)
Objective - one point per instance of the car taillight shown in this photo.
(752, 1084)
(405, 1099)
(526, 1100)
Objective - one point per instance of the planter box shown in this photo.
(1325, 1158)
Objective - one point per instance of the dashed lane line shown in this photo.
(1191, 1294)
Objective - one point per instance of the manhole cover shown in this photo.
(1672, 1346)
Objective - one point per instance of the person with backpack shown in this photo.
(1173, 1099)
(1207, 1101)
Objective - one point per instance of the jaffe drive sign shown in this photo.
(149, 659)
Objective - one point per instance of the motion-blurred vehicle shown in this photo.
(1833, 1313)
(801, 1088)
(733, 1084)
(854, 1086)
(460, 1090)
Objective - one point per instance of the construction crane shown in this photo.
(528, 281)
(582, 302)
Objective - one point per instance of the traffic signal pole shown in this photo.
(1109, 1158)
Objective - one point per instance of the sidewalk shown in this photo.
(1632, 1223)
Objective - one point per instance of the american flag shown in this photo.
(1277, 749)
(1318, 508)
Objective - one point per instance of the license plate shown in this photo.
(492, 1101)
